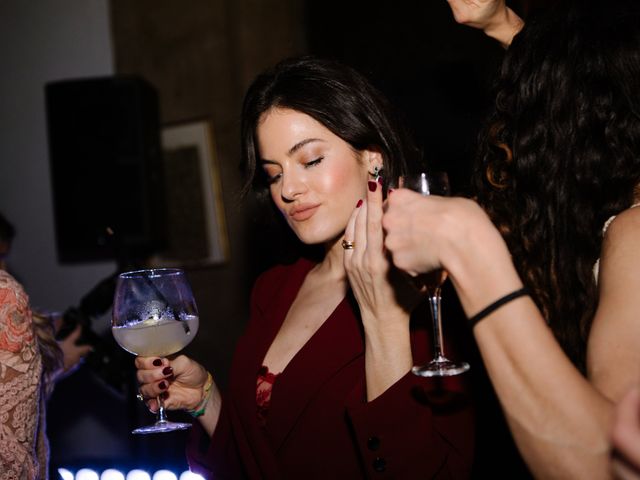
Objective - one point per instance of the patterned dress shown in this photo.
(23, 444)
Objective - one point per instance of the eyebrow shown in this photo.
(301, 144)
(295, 148)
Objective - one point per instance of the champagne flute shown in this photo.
(434, 183)
(154, 314)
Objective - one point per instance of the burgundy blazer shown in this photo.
(319, 424)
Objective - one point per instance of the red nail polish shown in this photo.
(164, 395)
(390, 191)
(379, 180)
(167, 371)
(157, 362)
(162, 385)
(372, 186)
(359, 204)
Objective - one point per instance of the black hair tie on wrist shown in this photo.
(497, 304)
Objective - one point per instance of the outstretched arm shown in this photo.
(560, 420)
(493, 17)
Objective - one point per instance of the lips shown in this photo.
(303, 212)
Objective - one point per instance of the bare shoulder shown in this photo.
(620, 258)
(625, 223)
(613, 357)
(621, 238)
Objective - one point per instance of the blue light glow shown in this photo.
(112, 474)
(65, 474)
(138, 475)
(118, 474)
(87, 474)
(164, 475)
(190, 476)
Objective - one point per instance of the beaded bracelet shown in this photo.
(497, 304)
(199, 410)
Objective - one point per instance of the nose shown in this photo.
(293, 185)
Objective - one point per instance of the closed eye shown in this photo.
(273, 178)
(313, 163)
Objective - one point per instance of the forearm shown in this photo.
(387, 355)
(559, 421)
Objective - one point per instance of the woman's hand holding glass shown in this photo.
(154, 313)
(179, 381)
(433, 183)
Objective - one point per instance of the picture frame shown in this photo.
(196, 225)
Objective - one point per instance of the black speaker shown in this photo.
(106, 168)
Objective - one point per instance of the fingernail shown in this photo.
(380, 180)
(162, 385)
(164, 395)
(167, 371)
(359, 204)
(372, 185)
(157, 362)
(390, 191)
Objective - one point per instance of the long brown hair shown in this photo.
(561, 152)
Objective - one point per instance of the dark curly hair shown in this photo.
(561, 152)
(335, 95)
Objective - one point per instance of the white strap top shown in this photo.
(596, 267)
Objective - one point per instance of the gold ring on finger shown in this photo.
(347, 245)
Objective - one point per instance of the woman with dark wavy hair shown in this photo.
(552, 290)
(321, 383)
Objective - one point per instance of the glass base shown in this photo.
(161, 427)
(441, 368)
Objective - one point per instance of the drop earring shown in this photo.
(377, 172)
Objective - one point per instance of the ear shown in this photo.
(373, 158)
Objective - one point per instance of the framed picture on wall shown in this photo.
(195, 220)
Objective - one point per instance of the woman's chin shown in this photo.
(317, 238)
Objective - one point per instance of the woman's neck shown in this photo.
(332, 265)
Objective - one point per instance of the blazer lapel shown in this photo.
(273, 306)
(336, 343)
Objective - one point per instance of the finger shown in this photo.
(360, 233)
(394, 220)
(374, 217)
(148, 363)
(84, 350)
(627, 426)
(349, 232)
(75, 333)
(152, 405)
(155, 375)
(154, 388)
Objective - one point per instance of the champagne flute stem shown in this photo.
(434, 303)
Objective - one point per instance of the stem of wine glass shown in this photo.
(161, 415)
(434, 303)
